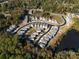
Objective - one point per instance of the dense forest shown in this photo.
(11, 12)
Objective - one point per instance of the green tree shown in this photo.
(2, 56)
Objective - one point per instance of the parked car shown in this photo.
(42, 45)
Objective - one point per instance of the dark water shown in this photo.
(70, 41)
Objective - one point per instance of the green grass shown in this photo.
(58, 18)
(32, 30)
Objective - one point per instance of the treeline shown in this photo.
(12, 48)
(55, 6)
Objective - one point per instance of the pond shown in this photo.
(70, 41)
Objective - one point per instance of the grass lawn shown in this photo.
(32, 30)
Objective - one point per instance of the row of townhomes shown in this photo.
(37, 30)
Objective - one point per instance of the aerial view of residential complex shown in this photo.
(39, 29)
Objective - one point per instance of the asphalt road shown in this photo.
(58, 25)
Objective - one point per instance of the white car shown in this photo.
(42, 45)
(24, 28)
(35, 33)
(49, 36)
(32, 35)
(32, 38)
(8, 30)
(21, 32)
(37, 38)
(43, 40)
(31, 25)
